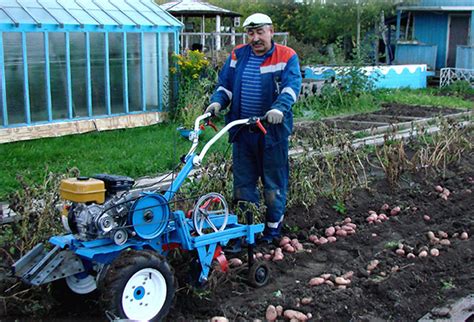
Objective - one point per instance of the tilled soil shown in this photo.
(387, 115)
(398, 288)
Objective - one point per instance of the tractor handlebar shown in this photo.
(255, 120)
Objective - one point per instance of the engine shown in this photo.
(100, 207)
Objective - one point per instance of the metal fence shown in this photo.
(451, 75)
(209, 41)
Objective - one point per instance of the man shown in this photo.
(260, 78)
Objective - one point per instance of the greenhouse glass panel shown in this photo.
(43, 16)
(36, 76)
(137, 18)
(63, 17)
(116, 72)
(164, 65)
(97, 40)
(50, 4)
(78, 73)
(120, 17)
(88, 4)
(83, 17)
(1, 102)
(102, 18)
(104, 5)
(151, 71)
(136, 5)
(19, 15)
(68, 4)
(57, 66)
(4, 18)
(122, 5)
(134, 72)
(157, 20)
(30, 4)
(14, 79)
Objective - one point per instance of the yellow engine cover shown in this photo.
(82, 190)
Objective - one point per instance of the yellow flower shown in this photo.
(173, 70)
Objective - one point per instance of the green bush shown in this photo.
(458, 88)
(351, 92)
(196, 82)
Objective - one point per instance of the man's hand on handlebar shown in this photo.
(213, 108)
(274, 116)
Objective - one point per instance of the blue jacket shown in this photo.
(281, 83)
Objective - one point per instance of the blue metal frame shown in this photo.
(142, 70)
(81, 118)
(175, 229)
(125, 73)
(26, 90)
(159, 72)
(178, 232)
(471, 38)
(107, 74)
(68, 75)
(84, 28)
(88, 75)
(4, 91)
(47, 75)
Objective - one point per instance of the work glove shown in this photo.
(213, 108)
(274, 116)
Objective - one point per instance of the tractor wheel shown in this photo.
(77, 292)
(259, 274)
(138, 285)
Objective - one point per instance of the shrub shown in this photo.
(196, 82)
(351, 92)
(458, 88)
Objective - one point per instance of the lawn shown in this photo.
(137, 152)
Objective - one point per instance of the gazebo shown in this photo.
(185, 10)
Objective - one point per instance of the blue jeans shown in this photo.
(252, 161)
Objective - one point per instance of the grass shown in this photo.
(426, 97)
(391, 244)
(136, 152)
(447, 284)
(316, 108)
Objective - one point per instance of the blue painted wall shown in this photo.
(465, 57)
(445, 3)
(394, 76)
(416, 54)
(433, 29)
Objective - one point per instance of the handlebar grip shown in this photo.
(260, 126)
(209, 123)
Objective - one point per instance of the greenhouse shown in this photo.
(70, 60)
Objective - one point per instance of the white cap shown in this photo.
(257, 20)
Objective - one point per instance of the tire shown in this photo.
(259, 274)
(77, 293)
(138, 285)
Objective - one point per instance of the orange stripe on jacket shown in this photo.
(282, 54)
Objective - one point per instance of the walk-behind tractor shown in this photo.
(118, 239)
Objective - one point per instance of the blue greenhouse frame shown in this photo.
(86, 16)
